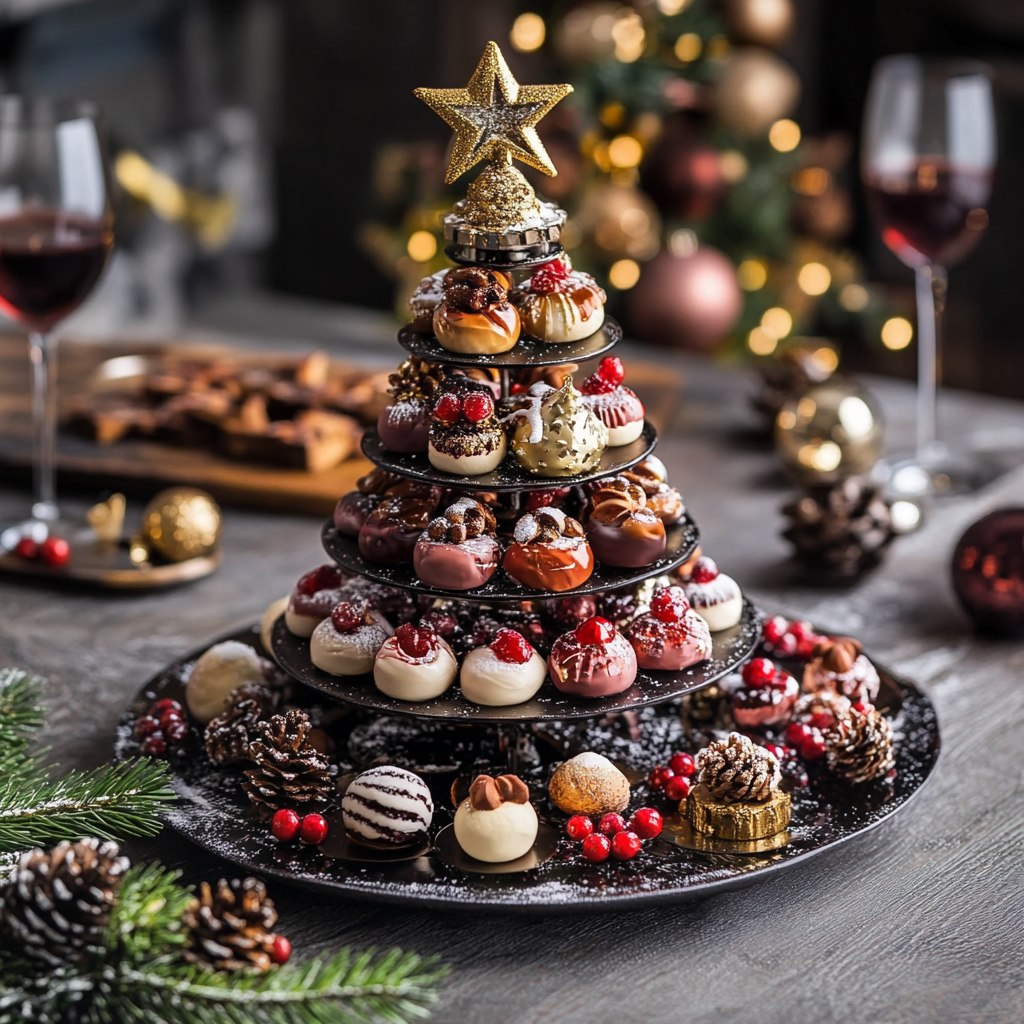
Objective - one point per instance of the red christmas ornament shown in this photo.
(988, 572)
(281, 950)
(682, 173)
(313, 830)
(285, 825)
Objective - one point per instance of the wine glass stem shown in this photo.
(43, 354)
(930, 280)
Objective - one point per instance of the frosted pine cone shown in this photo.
(230, 927)
(736, 770)
(859, 747)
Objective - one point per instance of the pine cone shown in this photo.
(859, 747)
(287, 770)
(231, 928)
(228, 736)
(56, 903)
(842, 530)
(736, 770)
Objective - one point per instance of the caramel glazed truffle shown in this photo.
(458, 551)
(496, 823)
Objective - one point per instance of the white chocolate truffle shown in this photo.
(274, 611)
(468, 465)
(387, 805)
(299, 624)
(488, 680)
(348, 654)
(719, 602)
(216, 673)
(626, 434)
(496, 835)
(404, 677)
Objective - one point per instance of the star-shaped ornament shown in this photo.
(494, 117)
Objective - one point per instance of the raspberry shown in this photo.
(705, 570)
(595, 631)
(346, 618)
(669, 604)
(447, 409)
(595, 384)
(549, 277)
(612, 370)
(512, 647)
(477, 407)
(416, 641)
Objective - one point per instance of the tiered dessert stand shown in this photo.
(553, 878)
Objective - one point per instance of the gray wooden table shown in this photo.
(921, 920)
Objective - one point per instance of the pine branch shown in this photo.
(145, 924)
(110, 802)
(394, 988)
(21, 713)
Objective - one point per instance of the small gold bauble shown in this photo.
(498, 198)
(181, 523)
(830, 432)
(755, 89)
(762, 22)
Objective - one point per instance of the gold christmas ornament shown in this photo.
(755, 89)
(494, 117)
(620, 221)
(107, 519)
(498, 197)
(181, 523)
(830, 432)
(761, 22)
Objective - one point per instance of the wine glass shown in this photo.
(56, 233)
(928, 155)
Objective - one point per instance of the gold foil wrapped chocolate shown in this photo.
(181, 523)
(556, 435)
(737, 821)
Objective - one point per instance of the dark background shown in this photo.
(325, 82)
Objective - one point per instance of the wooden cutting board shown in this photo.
(141, 467)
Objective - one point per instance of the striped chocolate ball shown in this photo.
(387, 805)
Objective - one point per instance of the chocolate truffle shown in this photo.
(671, 636)
(662, 499)
(465, 436)
(474, 315)
(558, 304)
(217, 672)
(549, 551)
(352, 509)
(346, 643)
(615, 405)
(312, 598)
(458, 551)
(839, 667)
(387, 806)
(593, 660)
(621, 529)
(414, 664)
(715, 597)
(496, 823)
(391, 531)
(507, 671)
(404, 424)
(767, 696)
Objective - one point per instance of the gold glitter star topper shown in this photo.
(494, 117)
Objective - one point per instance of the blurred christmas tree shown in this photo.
(690, 189)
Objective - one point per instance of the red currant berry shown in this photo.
(346, 617)
(802, 630)
(323, 577)
(280, 950)
(285, 825)
(512, 647)
(154, 746)
(595, 631)
(611, 823)
(175, 731)
(27, 549)
(796, 733)
(170, 715)
(813, 748)
(578, 827)
(313, 830)
(478, 407)
(611, 369)
(775, 629)
(596, 847)
(447, 409)
(822, 720)
(677, 788)
(146, 726)
(659, 776)
(571, 611)
(669, 604)
(625, 845)
(785, 646)
(682, 764)
(416, 641)
(165, 704)
(759, 672)
(55, 551)
(705, 570)
(646, 823)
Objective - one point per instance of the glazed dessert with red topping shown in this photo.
(715, 597)
(663, 499)
(425, 299)
(507, 671)
(615, 405)
(458, 551)
(621, 529)
(391, 530)
(549, 551)
(352, 509)
(767, 696)
(474, 315)
(346, 643)
(312, 598)
(671, 636)
(414, 664)
(465, 435)
(559, 304)
(839, 667)
(594, 660)
(404, 424)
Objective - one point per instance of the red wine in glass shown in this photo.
(933, 213)
(49, 262)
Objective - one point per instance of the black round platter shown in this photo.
(213, 811)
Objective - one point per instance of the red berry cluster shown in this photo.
(614, 836)
(476, 407)
(286, 826)
(53, 551)
(550, 277)
(162, 726)
(610, 374)
(789, 639)
(673, 778)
